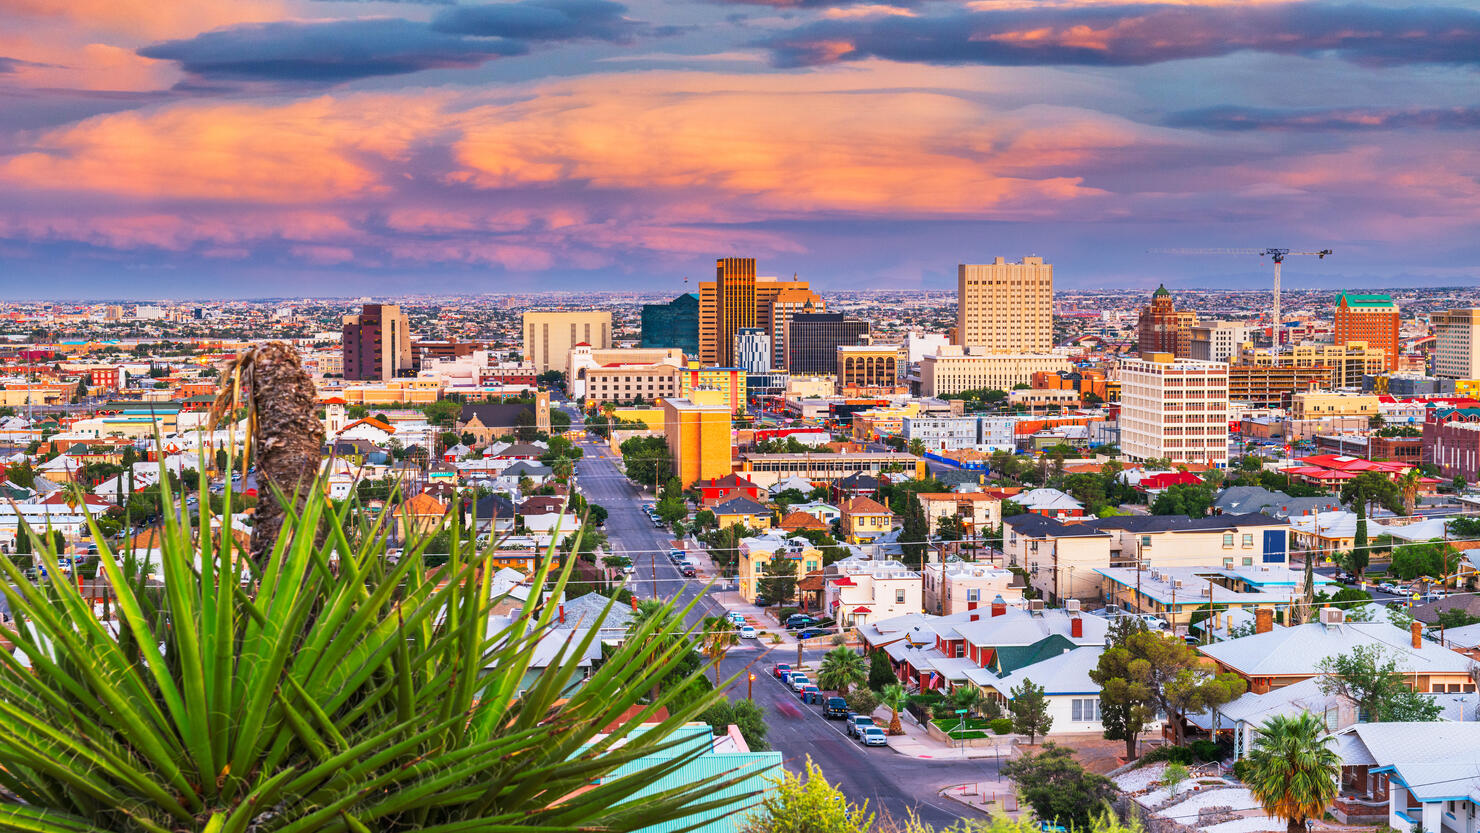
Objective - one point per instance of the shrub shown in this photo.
(862, 700)
(1002, 725)
(1206, 750)
(1172, 754)
(785, 613)
(1241, 769)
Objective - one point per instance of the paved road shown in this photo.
(884, 778)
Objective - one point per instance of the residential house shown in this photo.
(825, 512)
(955, 586)
(720, 489)
(1154, 484)
(491, 514)
(757, 552)
(742, 511)
(1241, 500)
(1241, 717)
(369, 429)
(857, 484)
(978, 512)
(859, 591)
(1425, 775)
(798, 483)
(865, 520)
(1050, 503)
(1059, 557)
(1278, 657)
(511, 477)
(420, 515)
(545, 517)
(800, 521)
(1174, 594)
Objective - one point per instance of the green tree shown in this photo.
(915, 533)
(1173, 677)
(778, 581)
(895, 697)
(841, 669)
(1029, 708)
(1369, 676)
(744, 715)
(806, 803)
(704, 519)
(1372, 488)
(1357, 560)
(967, 697)
(1127, 705)
(1456, 618)
(672, 508)
(880, 671)
(1058, 788)
(1190, 499)
(1293, 770)
(716, 640)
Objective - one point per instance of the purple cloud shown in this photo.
(1137, 35)
(1354, 118)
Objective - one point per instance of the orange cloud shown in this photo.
(148, 18)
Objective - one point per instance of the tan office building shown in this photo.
(1457, 343)
(1005, 307)
(1320, 404)
(1175, 409)
(953, 369)
(376, 344)
(549, 336)
(737, 299)
(1348, 362)
(868, 367)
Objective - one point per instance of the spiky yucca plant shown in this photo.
(338, 690)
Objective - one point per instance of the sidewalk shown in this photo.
(916, 743)
(992, 797)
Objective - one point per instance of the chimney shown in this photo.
(999, 606)
(975, 616)
(1416, 628)
(1076, 627)
(1263, 620)
(562, 614)
(634, 604)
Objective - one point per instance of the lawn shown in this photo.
(976, 727)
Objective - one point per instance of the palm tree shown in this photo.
(720, 635)
(334, 690)
(967, 697)
(917, 447)
(894, 697)
(842, 669)
(1293, 770)
(1408, 489)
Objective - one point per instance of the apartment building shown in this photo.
(549, 336)
(1372, 320)
(620, 374)
(1319, 404)
(699, 439)
(757, 553)
(1062, 558)
(1005, 307)
(953, 369)
(1457, 343)
(1268, 386)
(860, 591)
(955, 586)
(982, 433)
(1174, 409)
(978, 512)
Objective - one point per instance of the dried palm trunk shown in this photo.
(285, 434)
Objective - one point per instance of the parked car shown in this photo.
(747, 632)
(780, 668)
(799, 620)
(811, 633)
(798, 681)
(857, 722)
(737, 618)
(762, 601)
(873, 736)
(836, 708)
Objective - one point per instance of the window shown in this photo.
(1085, 709)
(899, 597)
(973, 595)
(1248, 539)
(1248, 562)
(1227, 540)
(1145, 540)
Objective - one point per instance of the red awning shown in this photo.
(862, 610)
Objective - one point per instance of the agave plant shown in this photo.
(336, 690)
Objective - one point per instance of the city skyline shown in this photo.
(287, 147)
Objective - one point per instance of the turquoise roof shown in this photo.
(1366, 300)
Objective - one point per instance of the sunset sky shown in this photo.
(164, 148)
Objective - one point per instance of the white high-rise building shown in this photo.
(1216, 341)
(1175, 409)
(753, 350)
(1457, 343)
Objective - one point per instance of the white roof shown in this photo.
(1436, 761)
(1463, 637)
(1304, 696)
(1067, 673)
(1297, 651)
(1020, 626)
(1046, 499)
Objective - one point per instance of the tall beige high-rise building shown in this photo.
(1457, 343)
(550, 334)
(1175, 409)
(1005, 307)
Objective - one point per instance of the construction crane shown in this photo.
(1277, 255)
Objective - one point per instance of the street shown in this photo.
(888, 781)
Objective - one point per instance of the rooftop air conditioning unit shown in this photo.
(1333, 616)
(1206, 591)
(1071, 605)
(1177, 583)
(1035, 605)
